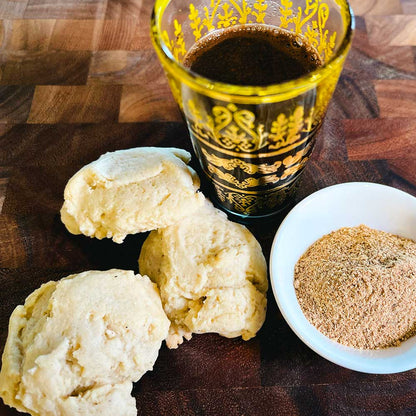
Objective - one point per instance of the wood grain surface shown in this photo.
(79, 78)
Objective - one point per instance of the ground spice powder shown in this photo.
(357, 286)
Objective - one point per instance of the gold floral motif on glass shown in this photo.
(250, 204)
(309, 22)
(250, 168)
(292, 164)
(232, 128)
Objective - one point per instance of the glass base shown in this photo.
(275, 216)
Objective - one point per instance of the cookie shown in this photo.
(211, 273)
(131, 191)
(76, 345)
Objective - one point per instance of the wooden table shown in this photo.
(79, 78)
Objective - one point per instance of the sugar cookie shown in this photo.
(76, 345)
(131, 191)
(211, 273)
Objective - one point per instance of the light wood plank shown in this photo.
(141, 103)
(396, 98)
(396, 30)
(379, 138)
(376, 7)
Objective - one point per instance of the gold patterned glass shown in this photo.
(253, 142)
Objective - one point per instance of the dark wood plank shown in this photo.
(11, 248)
(397, 399)
(15, 102)
(36, 190)
(75, 104)
(258, 401)
(405, 168)
(360, 92)
(74, 145)
(4, 181)
(46, 68)
(330, 141)
(221, 362)
(41, 241)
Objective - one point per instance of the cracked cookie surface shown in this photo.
(211, 273)
(76, 345)
(131, 191)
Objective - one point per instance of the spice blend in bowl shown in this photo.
(357, 286)
(339, 206)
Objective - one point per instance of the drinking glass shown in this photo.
(253, 142)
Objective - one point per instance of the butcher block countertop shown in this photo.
(79, 78)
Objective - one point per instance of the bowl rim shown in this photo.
(368, 361)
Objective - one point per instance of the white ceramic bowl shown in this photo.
(345, 205)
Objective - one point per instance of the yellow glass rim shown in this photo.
(245, 93)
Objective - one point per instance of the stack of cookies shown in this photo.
(76, 345)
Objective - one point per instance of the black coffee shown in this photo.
(252, 55)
